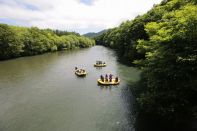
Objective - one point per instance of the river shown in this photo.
(42, 93)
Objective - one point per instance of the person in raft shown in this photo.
(110, 77)
(106, 77)
(116, 79)
(102, 78)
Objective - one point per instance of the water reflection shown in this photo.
(108, 87)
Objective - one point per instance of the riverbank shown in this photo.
(162, 42)
(22, 41)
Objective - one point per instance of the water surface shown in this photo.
(41, 93)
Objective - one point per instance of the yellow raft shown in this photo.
(100, 65)
(113, 82)
(80, 72)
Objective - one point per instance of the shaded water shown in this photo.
(41, 93)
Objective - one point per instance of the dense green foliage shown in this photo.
(21, 41)
(61, 33)
(163, 42)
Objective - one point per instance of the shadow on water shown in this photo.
(129, 101)
(124, 61)
(129, 76)
(141, 120)
(151, 121)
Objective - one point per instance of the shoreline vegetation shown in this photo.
(18, 41)
(163, 43)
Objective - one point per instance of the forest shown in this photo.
(163, 44)
(22, 41)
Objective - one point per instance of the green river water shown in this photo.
(42, 93)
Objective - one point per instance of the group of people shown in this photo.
(100, 62)
(79, 70)
(108, 79)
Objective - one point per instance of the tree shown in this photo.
(21, 41)
(10, 43)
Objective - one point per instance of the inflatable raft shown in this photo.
(80, 72)
(113, 82)
(100, 65)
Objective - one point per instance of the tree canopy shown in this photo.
(163, 44)
(21, 41)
